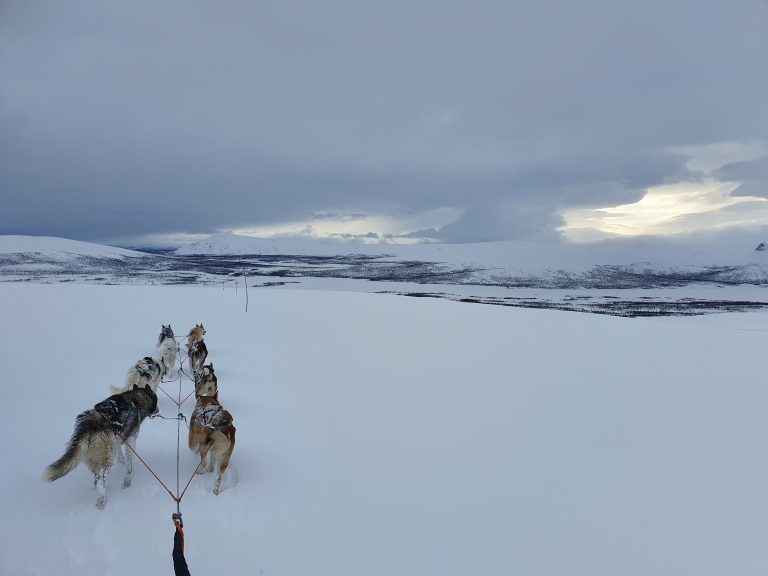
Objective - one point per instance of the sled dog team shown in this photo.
(101, 433)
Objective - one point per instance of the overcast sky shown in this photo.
(152, 121)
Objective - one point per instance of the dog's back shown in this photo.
(146, 372)
(124, 411)
(199, 428)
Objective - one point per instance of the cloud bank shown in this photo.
(130, 119)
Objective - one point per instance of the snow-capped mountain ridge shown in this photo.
(507, 255)
(517, 255)
(228, 244)
(61, 248)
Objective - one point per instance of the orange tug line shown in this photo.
(125, 441)
(175, 499)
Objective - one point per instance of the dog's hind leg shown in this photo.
(223, 450)
(215, 446)
(165, 368)
(204, 447)
(99, 482)
(121, 456)
(125, 457)
(101, 456)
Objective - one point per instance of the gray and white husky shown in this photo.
(100, 435)
(145, 373)
(168, 349)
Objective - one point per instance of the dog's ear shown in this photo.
(135, 386)
(210, 366)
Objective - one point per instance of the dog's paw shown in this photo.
(127, 482)
(101, 502)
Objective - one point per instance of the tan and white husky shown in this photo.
(211, 430)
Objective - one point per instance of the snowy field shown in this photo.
(381, 435)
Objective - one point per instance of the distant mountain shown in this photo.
(641, 263)
(514, 255)
(235, 244)
(61, 248)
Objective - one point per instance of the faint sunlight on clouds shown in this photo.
(683, 207)
(670, 209)
(371, 228)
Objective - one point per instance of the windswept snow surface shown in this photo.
(379, 435)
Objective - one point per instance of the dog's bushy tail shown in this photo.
(75, 449)
(118, 389)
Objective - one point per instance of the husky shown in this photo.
(197, 355)
(100, 436)
(194, 335)
(206, 382)
(168, 349)
(145, 373)
(211, 430)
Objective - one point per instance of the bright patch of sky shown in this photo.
(693, 205)
(406, 228)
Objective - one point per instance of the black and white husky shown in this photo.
(168, 349)
(100, 435)
(198, 352)
(145, 373)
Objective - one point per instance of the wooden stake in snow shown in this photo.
(245, 279)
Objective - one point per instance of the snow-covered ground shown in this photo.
(380, 435)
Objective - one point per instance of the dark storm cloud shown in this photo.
(753, 176)
(129, 118)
